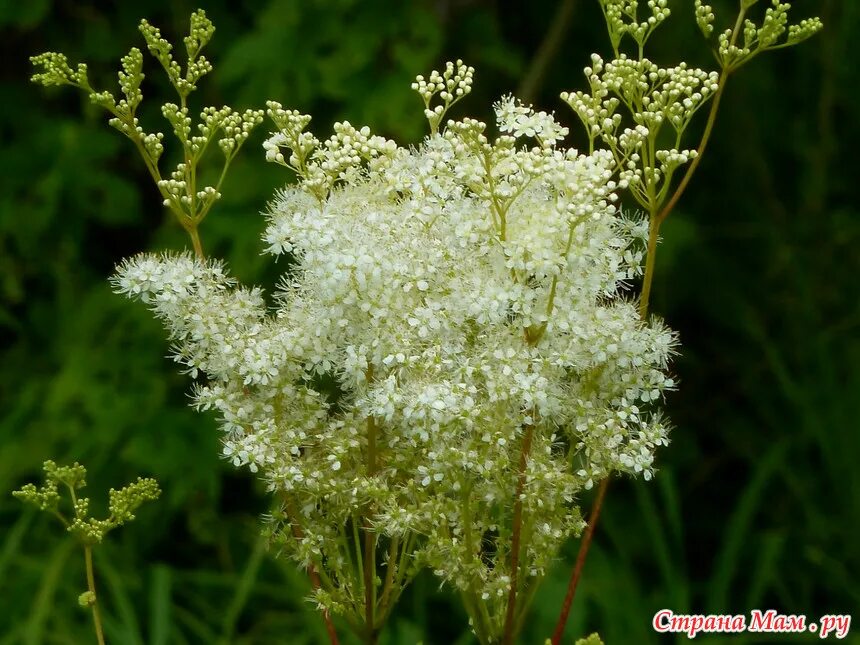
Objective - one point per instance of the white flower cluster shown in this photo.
(522, 121)
(439, 304)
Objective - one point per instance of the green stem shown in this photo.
(345, 549)
(533, 334)
(205, 210)
(644, 300)
(471, 600)
(471, 605)
(657, 218)
(371, 633)
(703, 144)
(150, 164)
(356, 545)
(389, 577)
(195, 241)
(91, 586)
(402, 576)
(510, 623)
(525, 603)
(650, 259)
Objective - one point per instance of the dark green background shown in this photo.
(757, 503)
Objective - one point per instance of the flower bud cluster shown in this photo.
(442, 301)
(56, 70)
(123, 503)
(180, 192)
(200, 33)
(654, 97)
(756, 38)
(450, 86)
(130, 77)
(704, 18)
(622, 18)
(321, 165)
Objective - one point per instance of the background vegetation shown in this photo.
(758, 500)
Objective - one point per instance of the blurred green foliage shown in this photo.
(758, 500)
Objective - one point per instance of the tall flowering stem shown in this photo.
(575, 575)
(677, 94)
(455, 324)
(370, 538)
(316, 584)
(91, 590)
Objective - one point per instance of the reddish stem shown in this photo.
(329, 625)
(316, 583)
(580, 562)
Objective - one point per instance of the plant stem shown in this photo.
(371, 633)
(656, 219)
(580, 562)
(329, 625)
(389, 575)
(546, 53)
(369, 581)
(470, 603)
(91, 586)
(508, 637)
(650, 260)
(316, 583)
(195, 241)
(706, 135)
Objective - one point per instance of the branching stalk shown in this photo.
(657, 217)
(369, 565)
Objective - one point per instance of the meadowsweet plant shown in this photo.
(183, 190)
(87, 530)
(455, 351)
(464, 299)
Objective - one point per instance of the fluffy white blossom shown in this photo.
(438, 302)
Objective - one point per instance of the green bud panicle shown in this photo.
(189, 202)
(86, 529)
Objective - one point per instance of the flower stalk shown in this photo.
(622, 20)
(516, 535)
(91, 588)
